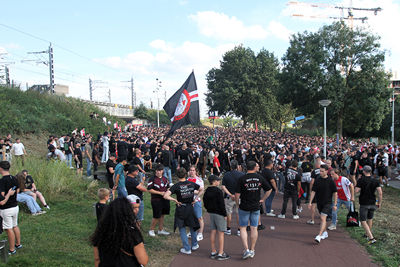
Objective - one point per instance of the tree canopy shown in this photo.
(342, 65)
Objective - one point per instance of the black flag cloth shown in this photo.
(183, 107)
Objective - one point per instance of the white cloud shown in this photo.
(223, 27)
(279, 31)
(171, 64)
(3, 50)
(384, 24)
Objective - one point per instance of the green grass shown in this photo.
(31, 112)
(386, 230)
(61, 236)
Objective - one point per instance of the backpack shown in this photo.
(66, 146)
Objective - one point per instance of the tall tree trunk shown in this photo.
(339, 124)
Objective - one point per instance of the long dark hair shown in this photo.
(115, 228)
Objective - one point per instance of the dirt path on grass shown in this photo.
(291, 243)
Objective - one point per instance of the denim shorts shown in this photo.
(198, 212)
(245, 216)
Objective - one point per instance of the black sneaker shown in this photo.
(222, 257)
(18, 247)
(213, 255)
(261, 227)
(12, 252)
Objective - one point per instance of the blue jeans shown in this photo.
(184, 238)
(167, 173)
(88, 167)
(29, 201)
(245, 216)
(122, 192)
(69, 160)
(104, 157)
(281, 182)
(339, 204)
(140, 214)
(268, 202)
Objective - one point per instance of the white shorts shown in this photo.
(10, 217)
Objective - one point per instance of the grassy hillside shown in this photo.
(31, 112)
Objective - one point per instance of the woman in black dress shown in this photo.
(117, 240)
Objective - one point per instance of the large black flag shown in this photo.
(183, 107)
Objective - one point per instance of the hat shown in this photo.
(133, 199)
(213, 178)
(367, 168)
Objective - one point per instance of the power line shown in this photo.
(59, 46)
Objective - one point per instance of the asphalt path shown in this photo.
(284, 242)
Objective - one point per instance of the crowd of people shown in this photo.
(253, 166)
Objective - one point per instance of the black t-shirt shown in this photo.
(136, 161)
(1, 148)
(230, 180)
(166, 157)
(324, 188)
(315, 174)
(67, 146)
(95, 153)
(184, 191)
(122, 147)
(78, 152)
(306, 166)
(122, 259)
(292, 178)
(195, 156)
(6, 183)
(368, 186)
(28, 182)
(268, 175)
(214, 201)
(110, 164)
(131, 185)
(249, 186)
(112, 145)
(100, 207)
(184, 156)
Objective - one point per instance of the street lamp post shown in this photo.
(157, 90)
(324, 103)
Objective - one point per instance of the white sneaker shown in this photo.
(332, 227)
(151, 233)
(238, 232)
(171, 184)
(163, 232)
(281, 216)
(310, 222)
(184, 251)
(270, 214)
(189, 235)
(228, 232)
(324, 235)
(195, 247)
(199, 237)
(318, 239)
(47, 207)
(296, 217)
(253, 253)
(300, 209)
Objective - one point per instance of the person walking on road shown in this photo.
(345, 191)
(248, 192)
(269, 175)
(324, 190)
(291, 190)
(229, 184)
(367, 186)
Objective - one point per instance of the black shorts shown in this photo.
(325, 209)
(77, 165)
(383, 171)
(367, 212)
(160, 207)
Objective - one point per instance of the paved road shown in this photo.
(290, 244)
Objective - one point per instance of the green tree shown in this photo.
(141, 111)
(342, 65)
(243, 84)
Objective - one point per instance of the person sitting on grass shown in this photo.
(104, 195)
(26, 198)
(117, 240)
(30, 189)
(214, 203)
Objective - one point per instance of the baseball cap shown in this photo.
(133, 199)
(213, 178)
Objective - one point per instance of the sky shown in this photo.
(112, 41)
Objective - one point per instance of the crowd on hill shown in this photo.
(248, 162)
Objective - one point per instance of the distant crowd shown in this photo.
(252, 167)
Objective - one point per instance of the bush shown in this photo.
(53, 178)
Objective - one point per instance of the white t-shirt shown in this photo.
(60, 155)
(18, 149)
(198, 181)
